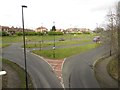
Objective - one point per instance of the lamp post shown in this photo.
(54, 29)
(42, 32)
(23, 6)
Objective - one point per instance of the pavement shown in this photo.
(11, 79)
(104, 79)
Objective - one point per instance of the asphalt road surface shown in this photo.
(41, 73)
(77, 70)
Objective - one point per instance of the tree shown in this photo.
(99, 30)
(118, 31)
(53, 28)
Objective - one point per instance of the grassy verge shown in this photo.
(112, 69)
(60, 43)
(4, 45)
(65, 52)
(20, 72)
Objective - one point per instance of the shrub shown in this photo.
(86, 32)
(19, 33)
(29, 33)
(55, 33)
(3, 33)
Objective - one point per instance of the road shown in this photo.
(40, 71)
(77, 71)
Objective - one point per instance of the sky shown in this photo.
(65, 13)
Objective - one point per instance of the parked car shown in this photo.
(96, 39)
(61, 39)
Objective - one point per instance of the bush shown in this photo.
(39, 33)
(76, 33)
(19, 33)
(86, 32)
(29, 33)
(3, 33)
(55, 33)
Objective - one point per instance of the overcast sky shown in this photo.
(65, 13)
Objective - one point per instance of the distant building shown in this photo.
(41, 29)
(59, 30)
(77, 30)
(12, 30)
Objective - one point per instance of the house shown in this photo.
(41, 29)
(77, 30)
(12, 30)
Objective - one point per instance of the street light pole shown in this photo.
(42, 32)
(23, 6)
(54, 29)
(54, 47)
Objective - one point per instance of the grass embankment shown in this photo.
(112, 69)
(20, 72)
(65, 52)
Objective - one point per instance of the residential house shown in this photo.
(12, 30)
(41, 29)
(77, 30)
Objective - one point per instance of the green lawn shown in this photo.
(12, 39)
(65, 52)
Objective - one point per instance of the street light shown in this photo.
(54, 29)
(42, 32)
(23, 6)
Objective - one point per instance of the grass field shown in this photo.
(65, 52)
(12, 39)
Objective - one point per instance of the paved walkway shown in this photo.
(104, 79)
(57, 66)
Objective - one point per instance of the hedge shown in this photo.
(54, 33)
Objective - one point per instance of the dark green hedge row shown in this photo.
(29, 33)
(4, 34)
(55, 33)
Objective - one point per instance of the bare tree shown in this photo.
(118, 31)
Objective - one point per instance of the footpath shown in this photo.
(57, 66)
(104, 79)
